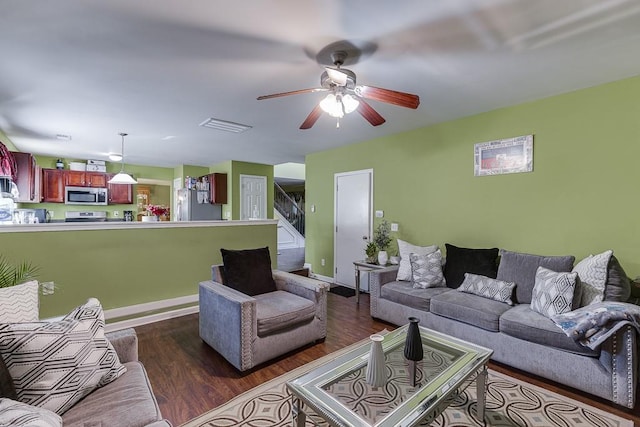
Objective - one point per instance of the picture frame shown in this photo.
(503, 156)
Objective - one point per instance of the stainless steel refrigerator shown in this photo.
(193, 205)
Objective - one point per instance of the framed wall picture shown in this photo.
(511, 155)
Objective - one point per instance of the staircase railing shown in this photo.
(289, 209)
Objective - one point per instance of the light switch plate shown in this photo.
(379, 214)
(394, 226)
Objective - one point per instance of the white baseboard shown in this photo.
(144, 320)
(132, 310)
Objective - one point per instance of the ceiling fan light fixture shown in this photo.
(122, 177)
(115, 157)
(332, 106)
(350, 103)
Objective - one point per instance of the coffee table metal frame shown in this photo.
(425, 404)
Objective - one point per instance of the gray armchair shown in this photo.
(249, 330)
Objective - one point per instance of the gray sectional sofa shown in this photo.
(519, 336)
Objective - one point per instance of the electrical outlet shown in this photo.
(48, 288)
(116, 214)
(394, 226)
(322, 262)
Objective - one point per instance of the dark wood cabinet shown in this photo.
(217, 188)
(120, 194)
(85, 179)
(53, 181)
(26, 178)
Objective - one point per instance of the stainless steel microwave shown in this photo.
(85, 196)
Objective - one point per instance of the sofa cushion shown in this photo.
(524, 323)
(404, 293)
(19, 303)
(521, 268)
(467, 308)
(126, 402)
(248, 270)
(618, 285)
(55, 364)
(426, 270)
(405, 249)
(280, 310)
(466, 260)
(18, 414)
(592, 272)
(487, 287)
(553, 292)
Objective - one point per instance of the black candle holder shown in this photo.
(413, 347)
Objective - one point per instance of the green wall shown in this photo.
(124, 267)
(582, 196)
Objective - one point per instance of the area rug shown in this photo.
(510, 403)
(343, 291)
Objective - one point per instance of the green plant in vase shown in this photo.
(11, 275)
(372, 252)
(382, 240)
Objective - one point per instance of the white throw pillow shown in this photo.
(55, 364)
(553, 292)
(19, 303)
(405, 250)
(426, 270)
(592, 272)
(17, 414)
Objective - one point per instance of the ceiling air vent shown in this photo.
(224, 125)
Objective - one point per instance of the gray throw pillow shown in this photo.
(618, 284)
(405, 249)
(426, 270)
(487, 287)
(6, 382)
(521, 269)
(553, 292)
(18, 414)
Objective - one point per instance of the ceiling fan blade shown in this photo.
(312, 118)
(293, 92)
(337, 76)
(389, 96)
(370, 114)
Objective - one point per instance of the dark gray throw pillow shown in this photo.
(248, 270)
(6, 382)
(618, 287)
(521, 268)
(467, 260)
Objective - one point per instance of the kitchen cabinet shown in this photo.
(120, 194)
(26, 180)
(85, 179)
(53, 185)
(217, 187)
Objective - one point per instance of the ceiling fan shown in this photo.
(345, 96)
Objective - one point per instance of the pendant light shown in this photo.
(122, 177)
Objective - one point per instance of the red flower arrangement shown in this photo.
(157, 210)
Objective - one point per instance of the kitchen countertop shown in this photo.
(123, 225)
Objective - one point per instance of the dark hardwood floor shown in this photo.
(189, 378)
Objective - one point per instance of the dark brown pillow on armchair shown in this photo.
(6, 382)
(248, 270)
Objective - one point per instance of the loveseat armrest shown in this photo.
(228, 322)
(125, 342)
(377, 279)
(305, 287)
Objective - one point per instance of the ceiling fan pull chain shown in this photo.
(337, 122)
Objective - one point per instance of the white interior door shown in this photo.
(253, 197)
(353, 206)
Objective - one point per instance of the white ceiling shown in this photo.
(157, 68)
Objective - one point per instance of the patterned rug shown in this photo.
(510, 403)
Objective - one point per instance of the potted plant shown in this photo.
(12, 275)
(382, 240)
(372, 252)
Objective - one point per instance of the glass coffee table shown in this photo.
(338, 392)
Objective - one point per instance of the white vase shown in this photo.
(149, 218)
(383, 257)
(376, 373)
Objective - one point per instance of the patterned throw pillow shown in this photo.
(592, 272)
(405, 250)
(55, 364)
(17, 414)
(426, 270)
(553, 292)
(19, 303)
(487, 287)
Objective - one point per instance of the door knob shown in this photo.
(365, 238)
